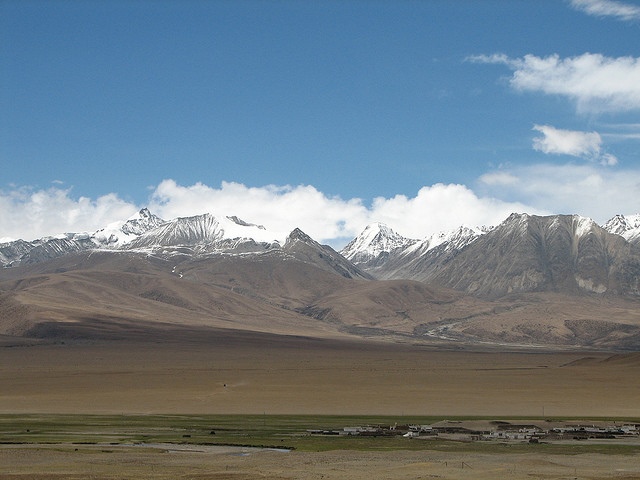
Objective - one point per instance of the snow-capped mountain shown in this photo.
(374, 245)
(564, 253)
(420, 261)
(120, 233)
(560, 253)
(625, 226)
(520, 281)
(145, 230)
(113, 236)
(21, 252)
(451, 240)
(386, 254)
(207, 232)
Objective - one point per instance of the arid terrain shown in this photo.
(248, 373)
(300, 331)
(224, 463)
(258, 373)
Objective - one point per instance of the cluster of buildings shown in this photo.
(495, 430)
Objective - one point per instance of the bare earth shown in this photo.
(293, 375)
(222, 463)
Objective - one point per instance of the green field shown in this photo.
(273, 431)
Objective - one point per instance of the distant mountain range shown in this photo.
(532, 280)
(525, 253)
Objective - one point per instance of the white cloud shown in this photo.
(497, 58)
(566, 142)
(608, 160)
(622, 131)
(608, 8)
(499, 178)
(570, 142)
(588, 190)
(279, 208)
(28, 213)
(594, 82)
(326, 219)
(441, 207)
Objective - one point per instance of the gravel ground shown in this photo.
(166, 462)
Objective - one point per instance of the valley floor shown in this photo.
(294, 375)
(266, 375)
(20, 463)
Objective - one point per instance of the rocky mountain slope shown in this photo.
(526, 253)
(562, 253)
(546, 281)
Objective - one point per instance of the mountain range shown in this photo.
(552, 281)
(525, 253)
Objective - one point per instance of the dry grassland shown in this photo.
(292, 375)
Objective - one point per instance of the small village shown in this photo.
(498, 430)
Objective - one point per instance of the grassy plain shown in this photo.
(105, 447)
(289, 432)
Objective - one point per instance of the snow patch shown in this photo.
(589, 285)
(583, 225)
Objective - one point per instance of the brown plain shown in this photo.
(254, 373)
(21, 463)
(244, 372)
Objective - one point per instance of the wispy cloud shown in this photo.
(570, 142)
(595, 83)
(589, 189)
(622, 131)
(608, 8)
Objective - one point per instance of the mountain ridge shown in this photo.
(551, 281)
(566, 253)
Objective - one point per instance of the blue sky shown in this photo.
(326, 115)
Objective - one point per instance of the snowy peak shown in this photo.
(516, 223)
(118, 234)
(242, 223)
(20, 252)
(627, 227)
(144, 230)
(575, 225)
(376, 240)
(298, 235)
(559, 253)
(204, 231)
(141, 222)
(182, 231)
(456, 239)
